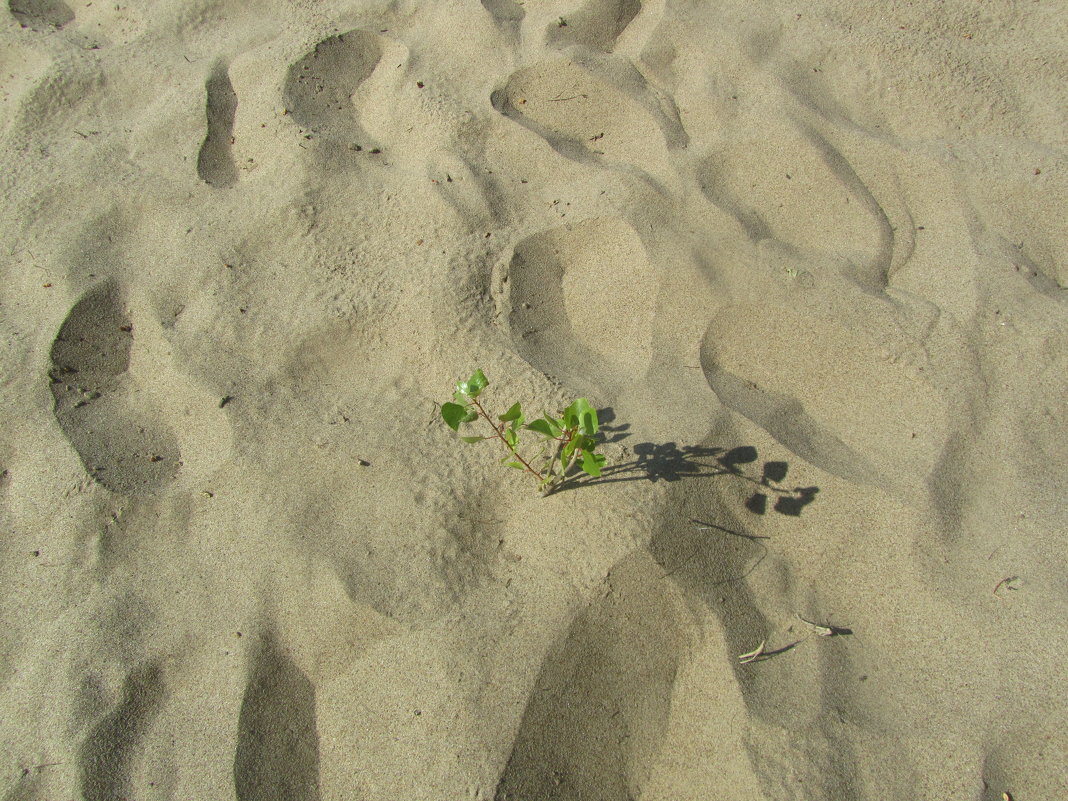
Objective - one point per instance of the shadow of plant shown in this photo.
(668, 461)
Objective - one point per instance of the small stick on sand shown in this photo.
(1009, 583)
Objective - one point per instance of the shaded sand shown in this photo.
(809, 262)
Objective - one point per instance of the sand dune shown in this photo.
(808, 262)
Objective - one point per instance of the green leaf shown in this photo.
(516, 465)
(473, 439)
(514, 416)
(514, 413)
(546, 426)
(581, 415)
(474, 385)
(570, 417)
(510, 437)
(592, 462)
(542, 427)
(478, 381)
(584, 443)
(455, 414)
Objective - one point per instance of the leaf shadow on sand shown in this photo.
(668, 461)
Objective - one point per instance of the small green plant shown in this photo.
(565, 441)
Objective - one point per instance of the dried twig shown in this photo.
(1009, 583)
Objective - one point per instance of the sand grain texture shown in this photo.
(808, 261)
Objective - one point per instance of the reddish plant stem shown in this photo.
(497, 433)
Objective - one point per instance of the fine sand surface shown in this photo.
(808, 259)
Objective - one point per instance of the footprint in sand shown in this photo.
(122, 444)
(600, 111)
(107, 755)
(869, 417)
(21, 69)
(596, 24)
(115, 384)
(40, 15)
(508, 14)
(277, 738)
(215, 164)
(791, 186)
(319, 87)
(580, 302)
(1021, 755)
(598, 713)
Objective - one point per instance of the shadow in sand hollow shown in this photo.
(669, 462)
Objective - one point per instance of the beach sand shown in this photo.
(809, 262)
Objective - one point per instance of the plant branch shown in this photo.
(497, 433)
(572, 434)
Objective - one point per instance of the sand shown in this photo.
(808, 261)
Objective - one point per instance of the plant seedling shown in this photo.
(564, 441)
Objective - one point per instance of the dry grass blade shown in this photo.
(753, 655)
